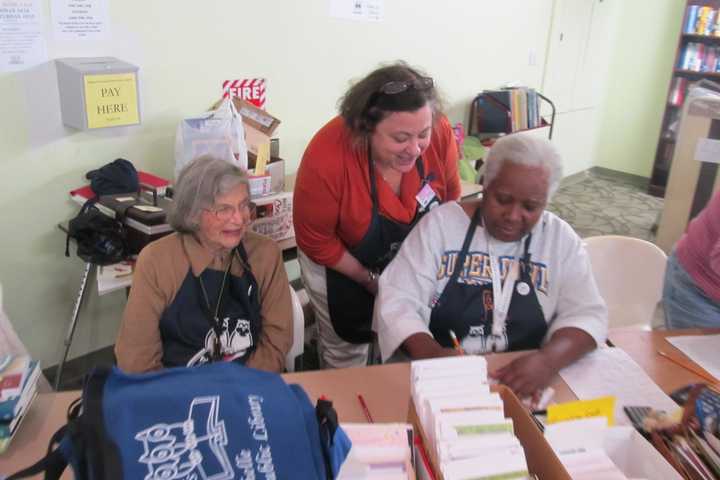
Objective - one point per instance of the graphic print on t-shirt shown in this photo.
(476, 270)
(235, 339)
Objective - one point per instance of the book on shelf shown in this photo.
(15, 405)
(702, 20)
(507, 110)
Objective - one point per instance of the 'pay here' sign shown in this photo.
(111, 100)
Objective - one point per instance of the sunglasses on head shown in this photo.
(399, 86)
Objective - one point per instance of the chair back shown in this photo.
(629, 273)
(298, 345)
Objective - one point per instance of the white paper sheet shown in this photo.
(611, 371)
(22, 42)
(702, 349)
(707, 150)
(80, 19)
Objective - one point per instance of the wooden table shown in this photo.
(643, 347)
(385, 388)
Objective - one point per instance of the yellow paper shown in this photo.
(111, 100)
(263, 156)
(599, 407)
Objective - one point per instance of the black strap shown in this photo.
(90, 203)
(103, 460)
(328, 424)
(53, 464)
(460, 260)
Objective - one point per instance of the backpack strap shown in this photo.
(101, 452)
(85, 207)
(53, 463)
(328, 424)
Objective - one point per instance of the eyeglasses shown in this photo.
(399, 86)
(225, 212)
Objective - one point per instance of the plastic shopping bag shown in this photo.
(219, 133)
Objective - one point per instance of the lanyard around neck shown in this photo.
(502, 291)
(214, 318)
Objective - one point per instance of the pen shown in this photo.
(455, 342)
(691, 368)
(365, 409)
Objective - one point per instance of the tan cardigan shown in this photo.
(162, 267)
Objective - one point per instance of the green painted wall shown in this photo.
(638, 80)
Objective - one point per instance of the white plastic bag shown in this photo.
(219, 133)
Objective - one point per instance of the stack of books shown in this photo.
(19, 376)
(463, 422)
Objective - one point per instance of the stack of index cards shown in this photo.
(464, 422)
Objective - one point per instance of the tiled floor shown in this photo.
(606, 202)
(598, 202)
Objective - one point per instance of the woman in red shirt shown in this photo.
(364, 181)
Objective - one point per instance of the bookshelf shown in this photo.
(697, 57)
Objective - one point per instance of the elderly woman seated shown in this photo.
(212, 291)
(498, 274)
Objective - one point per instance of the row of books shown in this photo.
(464, 423)
(19, 376)
(507, 110)
(699, 57)
(702, 20)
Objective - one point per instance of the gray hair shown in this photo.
(199, 184)
(527, 150)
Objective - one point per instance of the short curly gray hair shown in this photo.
(522, 149)
(199, 184)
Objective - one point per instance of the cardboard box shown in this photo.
(275, 168)
(541, 459)
(259, 124)
(634, 456)
(274, 216)
(260, 185)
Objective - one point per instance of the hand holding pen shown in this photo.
(456, 343)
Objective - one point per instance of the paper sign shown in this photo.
(111, 100)
(80, 19)
(249, 89)
(263, 156)
(707, 150)
(361, 10)
(22, 43)
(599, 407)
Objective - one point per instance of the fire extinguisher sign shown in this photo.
(249, 89)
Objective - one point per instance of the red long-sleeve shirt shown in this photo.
(332, 205)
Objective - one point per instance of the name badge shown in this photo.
(425, 196)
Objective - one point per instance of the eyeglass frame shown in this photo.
(394, 87)
(251, 207)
